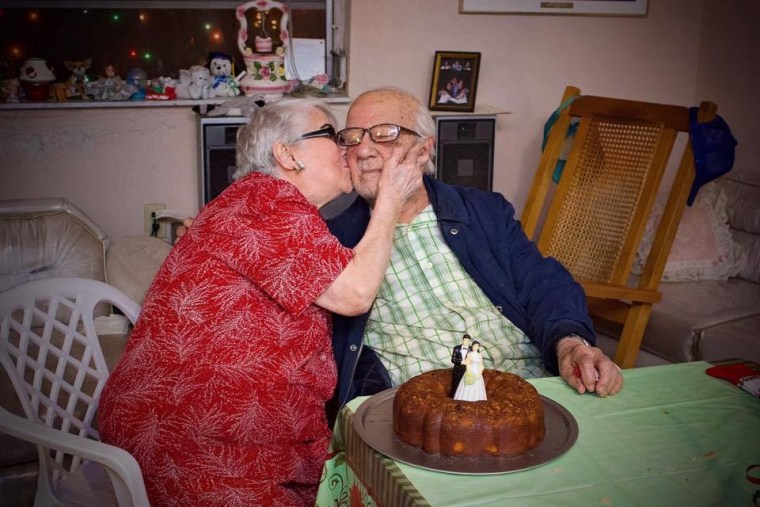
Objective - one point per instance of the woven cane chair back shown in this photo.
(596, 216)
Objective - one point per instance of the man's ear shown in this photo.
(427, 149)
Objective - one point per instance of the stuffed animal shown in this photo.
(78, 80)
(223, 83)
(239, 106)
(193, 83)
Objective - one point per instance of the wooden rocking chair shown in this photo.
(596, 217)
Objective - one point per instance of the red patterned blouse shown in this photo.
(220, 392)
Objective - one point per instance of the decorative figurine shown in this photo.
(472, 387)
(265, 68)
(458, 354)
(223, 83)
(76, 84)
(9, 89)
(193, 83)
(137, 78)
(110, 86)
(36, 78)
(161, 88)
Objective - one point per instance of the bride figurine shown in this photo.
(472, 387)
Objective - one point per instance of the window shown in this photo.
(158, 36)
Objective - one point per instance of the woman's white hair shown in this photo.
(282, 121)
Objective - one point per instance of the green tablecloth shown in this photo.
(672, 436)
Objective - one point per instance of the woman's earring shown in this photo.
(299, 165)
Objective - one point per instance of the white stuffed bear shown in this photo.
(194, 83)
(223, 83)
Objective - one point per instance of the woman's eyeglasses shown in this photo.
(327, 131)
(382, 133)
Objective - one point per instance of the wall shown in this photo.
(108, 162)
(728, 73)
(526, 62)
(111, 162)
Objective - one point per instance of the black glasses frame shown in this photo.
(340, 136)
(326, 131)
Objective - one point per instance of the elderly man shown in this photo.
(460, 264)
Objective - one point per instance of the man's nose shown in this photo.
(366, 146)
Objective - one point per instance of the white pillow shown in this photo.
(743, 207)
(703, 248)
(749, 258)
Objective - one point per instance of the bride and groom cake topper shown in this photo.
(467, 374)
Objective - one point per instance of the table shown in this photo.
(672, 436)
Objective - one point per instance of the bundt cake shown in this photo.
(508, 423)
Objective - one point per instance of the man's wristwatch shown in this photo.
(572, 337)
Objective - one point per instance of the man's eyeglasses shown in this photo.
(326, 131)
(383, 133)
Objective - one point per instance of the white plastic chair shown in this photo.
(50, 350)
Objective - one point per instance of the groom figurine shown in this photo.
(457, 356)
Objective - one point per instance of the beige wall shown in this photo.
(527, 61)
(729, 72)
(108, 162)
(111, 162)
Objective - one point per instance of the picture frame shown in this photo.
(455, 81)
(571, 7)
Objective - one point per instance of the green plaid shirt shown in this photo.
(427, 301)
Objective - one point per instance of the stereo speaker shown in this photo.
(465, 151)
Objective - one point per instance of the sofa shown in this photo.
(44, 238)
(710, 307)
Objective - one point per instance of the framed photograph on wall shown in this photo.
(575, 7)
(455, 81)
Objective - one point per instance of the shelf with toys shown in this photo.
(270, 73)
(202, 104)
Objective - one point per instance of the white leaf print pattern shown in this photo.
(220, 392)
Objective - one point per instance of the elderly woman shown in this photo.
(221, 390)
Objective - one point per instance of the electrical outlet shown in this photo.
(148, 217)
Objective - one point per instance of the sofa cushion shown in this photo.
(132, 262)
(46, 238)
(742, 209)
(749, 255)
(709, 320)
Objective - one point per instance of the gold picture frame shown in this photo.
(572, 7)
(455, 81)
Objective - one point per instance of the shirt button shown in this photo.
(499, 309)
(454, 231)
(322, 357)
(353, 348)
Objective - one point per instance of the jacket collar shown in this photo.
(446, 200)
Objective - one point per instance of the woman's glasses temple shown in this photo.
(326, 131)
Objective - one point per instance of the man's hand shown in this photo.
(587, 368)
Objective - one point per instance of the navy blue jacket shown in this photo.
(535, 293)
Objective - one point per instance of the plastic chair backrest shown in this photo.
(51, 352)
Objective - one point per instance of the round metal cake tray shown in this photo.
(374, 424)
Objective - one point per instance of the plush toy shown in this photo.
(78, 80)
(239, 106)
(193, 83)
(223, 83)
